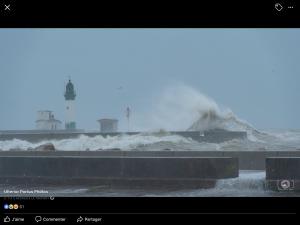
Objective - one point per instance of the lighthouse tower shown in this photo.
(70, 95)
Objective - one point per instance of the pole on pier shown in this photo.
(128, 112)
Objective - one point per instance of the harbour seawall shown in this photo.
(149, 172)
(147, 169)
(248, 160)
(213, 136)
(282, 173)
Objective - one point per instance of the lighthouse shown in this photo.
(70, 95)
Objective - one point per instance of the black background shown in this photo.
(93, 13)
(159, 204)
(157, 209)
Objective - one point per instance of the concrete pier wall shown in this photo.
(199, 171)
(283, 173)
(248, 160)
(219, 136)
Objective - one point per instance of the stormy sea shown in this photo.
(207, 115)
(248, 184)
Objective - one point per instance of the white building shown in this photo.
(46, 121)
(108, 125)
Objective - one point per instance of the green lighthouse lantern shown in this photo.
(70, 92)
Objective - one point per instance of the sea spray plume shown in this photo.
(180, 107)
(208, 120)
(176, 107)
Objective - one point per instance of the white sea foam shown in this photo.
(248, 180)
(286, 135)
(16, 144)
(83, 142)
(249, 183)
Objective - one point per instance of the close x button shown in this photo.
(6, 8)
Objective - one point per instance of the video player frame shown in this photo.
(189, 102)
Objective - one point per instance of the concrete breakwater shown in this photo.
(212, 136)
(283, 173)
(200, 172)
(248, 160)
(148, 169)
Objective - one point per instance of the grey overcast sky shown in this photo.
(254, 72)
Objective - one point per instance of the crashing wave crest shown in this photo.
(213, 119)
(83, 142)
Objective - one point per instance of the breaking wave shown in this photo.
(182, 107)
(83, 142)
(227, 120)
